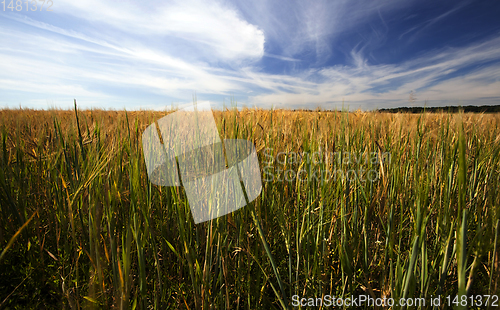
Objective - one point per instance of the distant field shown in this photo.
(379, 204)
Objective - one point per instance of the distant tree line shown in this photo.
(447, 109)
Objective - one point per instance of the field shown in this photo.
(412, 210)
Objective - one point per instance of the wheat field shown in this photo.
(412, 210)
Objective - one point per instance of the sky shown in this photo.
(328, 54)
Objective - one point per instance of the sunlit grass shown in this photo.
(82, 227)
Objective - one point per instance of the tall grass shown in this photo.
(82, 227)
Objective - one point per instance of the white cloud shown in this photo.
(64, 57)
(209, 24)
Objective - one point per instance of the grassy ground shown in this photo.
(412, 210)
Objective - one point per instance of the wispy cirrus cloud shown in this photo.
(297, 27)
(368, 86)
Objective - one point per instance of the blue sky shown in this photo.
(267, 53)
